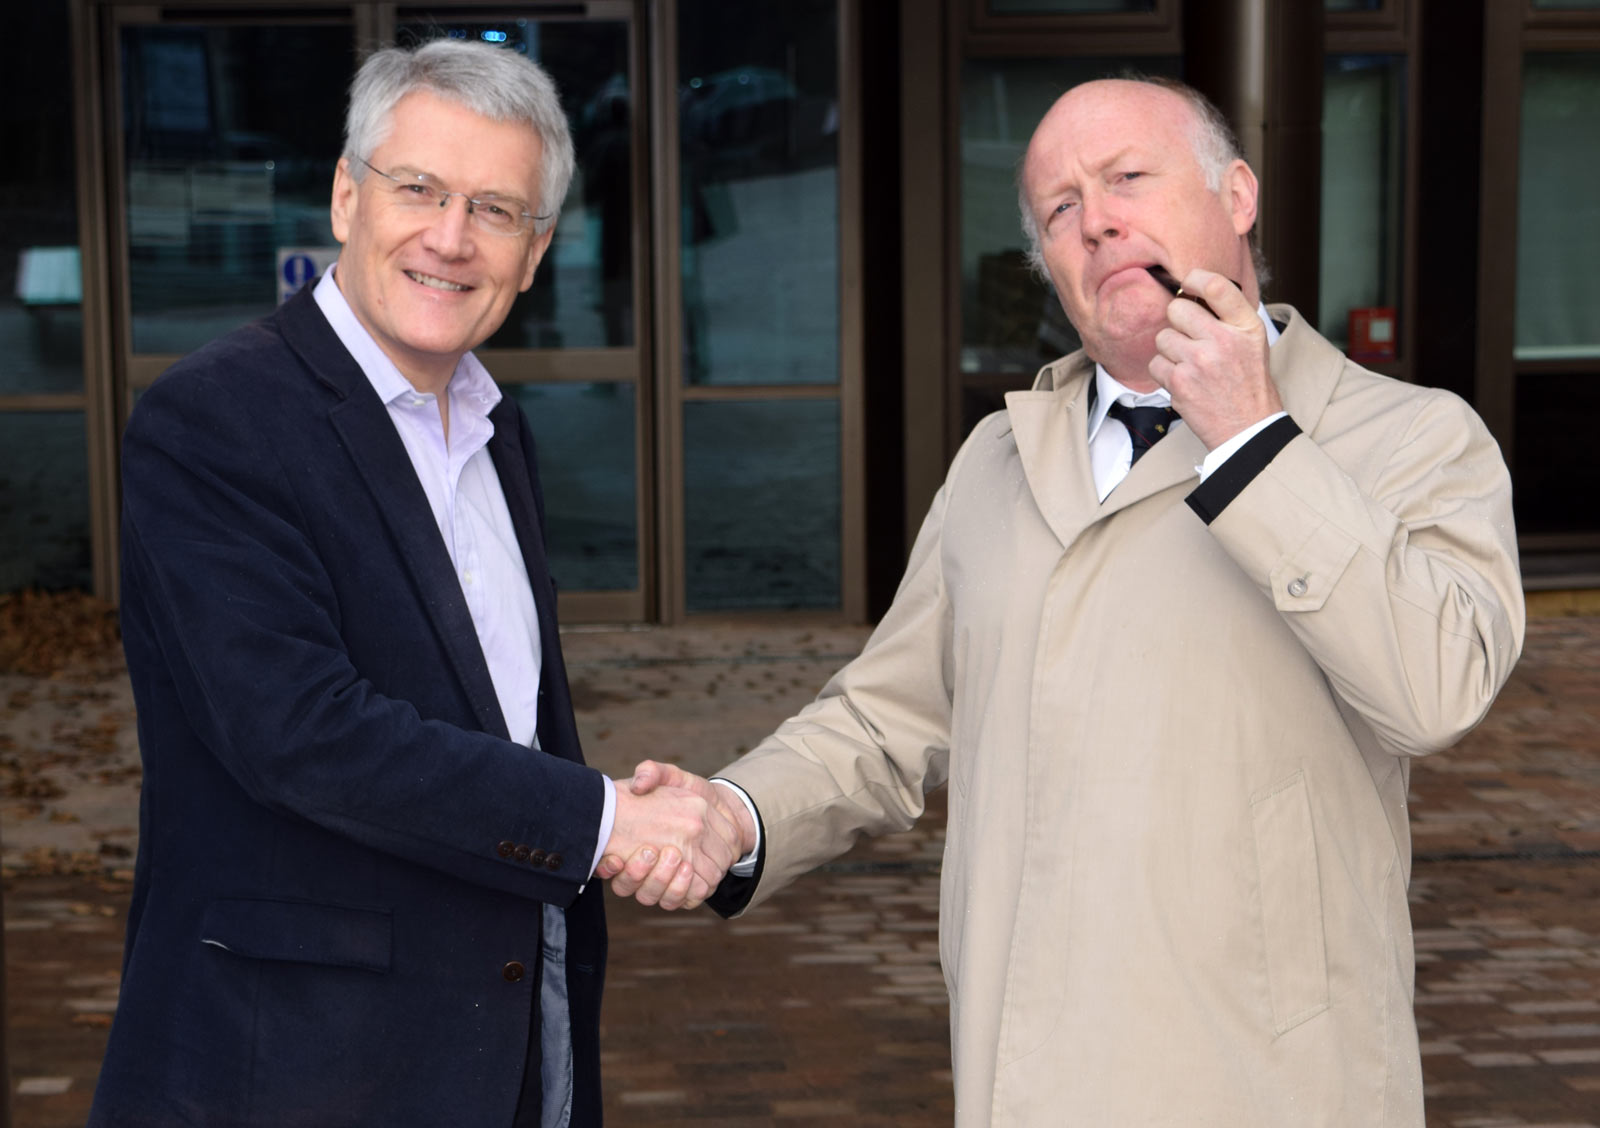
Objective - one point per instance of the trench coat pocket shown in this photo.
(1291, 902)
(300, 932)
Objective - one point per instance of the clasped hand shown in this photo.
(674, 837)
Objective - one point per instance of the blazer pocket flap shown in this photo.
(301, 932)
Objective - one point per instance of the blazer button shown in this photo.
(553, 862)
(536, 859)
(521, 852)
(505, 848)
(513, 971)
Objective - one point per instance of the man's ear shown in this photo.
(1241, 187)
(536, 250)
(342, 211)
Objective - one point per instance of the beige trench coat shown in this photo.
(1174, 883)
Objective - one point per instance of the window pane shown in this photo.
(1556, 481)
(761, 504)
(1558, 207)
(231, 136)
(758, 119)
(41, 289)
(44, 501)
(1352, 5)
(1559, 5)
(582, 294)
(585, 436)
(1011, 320)
(1363, 170)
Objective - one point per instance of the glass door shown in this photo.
(572, 351)
(763, 386)
(230, 130)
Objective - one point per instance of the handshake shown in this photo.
(674, 837)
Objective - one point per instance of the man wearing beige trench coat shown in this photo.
(1176, 723)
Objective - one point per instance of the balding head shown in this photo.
(1122, 175)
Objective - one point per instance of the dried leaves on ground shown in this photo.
(46, 633)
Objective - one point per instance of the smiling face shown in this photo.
(431, 285)
(1113, 184)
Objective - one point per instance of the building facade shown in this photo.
(788, 277)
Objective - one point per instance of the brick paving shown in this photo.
(826, 1004)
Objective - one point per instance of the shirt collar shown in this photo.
(470, 385)
(1108, 389)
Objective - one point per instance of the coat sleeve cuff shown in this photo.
(1212, 496)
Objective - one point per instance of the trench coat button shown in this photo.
(513, 971)
(553, 862)
(1297, 587)
(505, 848)
(521, 852)
(536, 859)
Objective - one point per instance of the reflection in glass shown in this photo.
(1352, 5)
(1011, 321)
(758, 120)
(1363, 176)
(231, 136)
(41, 288)
(761, 504)
(582, 294)
(44, 501)
(1558, 207)
(586, 440)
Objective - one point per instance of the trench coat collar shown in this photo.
(1050, 426)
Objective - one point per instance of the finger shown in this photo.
(677, 891)
(609, 867)
(660, 879)
(634, 874)
(1227, 300)
(699, 891)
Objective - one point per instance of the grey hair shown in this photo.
(495, 82)
(1215, 147)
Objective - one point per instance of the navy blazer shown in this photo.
(342, 860)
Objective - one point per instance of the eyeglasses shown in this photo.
(416, 191)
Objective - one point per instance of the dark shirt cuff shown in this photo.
(734, 893)
(1228, 481)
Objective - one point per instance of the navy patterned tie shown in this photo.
(1146, 425)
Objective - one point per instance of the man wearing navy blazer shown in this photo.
(365, 892)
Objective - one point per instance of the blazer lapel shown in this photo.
(380, 457)
(558, 732)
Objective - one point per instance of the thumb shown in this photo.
(650, 775)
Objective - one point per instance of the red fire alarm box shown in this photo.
(1372, 333)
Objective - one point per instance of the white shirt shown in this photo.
(463, 490)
